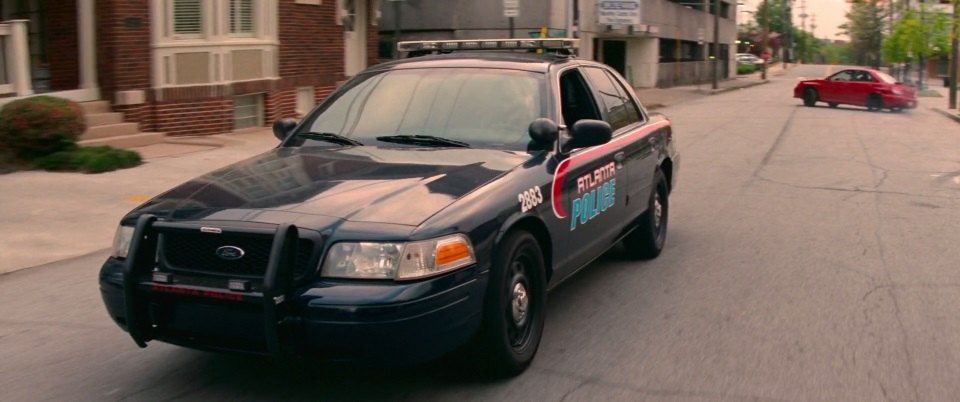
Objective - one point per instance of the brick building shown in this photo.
(184, 67)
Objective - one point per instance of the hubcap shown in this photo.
(519, 304)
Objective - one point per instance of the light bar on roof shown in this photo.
(491, 44)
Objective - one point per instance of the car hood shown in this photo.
(362, 184)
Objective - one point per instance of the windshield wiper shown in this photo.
(330, 137)
(427, 140)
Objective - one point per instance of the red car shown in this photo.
(858, 86)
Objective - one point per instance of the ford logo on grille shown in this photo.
(230, 253)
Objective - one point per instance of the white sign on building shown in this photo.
(618, 12)
(511, 8)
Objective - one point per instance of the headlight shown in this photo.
(121, 241)
(401, 261)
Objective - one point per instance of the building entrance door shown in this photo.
(614, 54)
(33, 10)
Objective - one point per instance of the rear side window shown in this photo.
(619, 109)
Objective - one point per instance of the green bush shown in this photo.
(90, 160)
(40, 126)
(746, 68)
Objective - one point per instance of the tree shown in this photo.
(807, 46)
(918, 34)
(834, 53)
(864, 26)
(776, 13)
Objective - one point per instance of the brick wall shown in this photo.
(311, 44)
(201, 117)
(62, 44)
(123, 45)
(311, 55)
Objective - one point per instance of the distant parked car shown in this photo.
(747, 58)
(860, 87)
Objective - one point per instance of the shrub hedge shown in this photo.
(40, 126)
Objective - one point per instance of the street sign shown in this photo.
(511, 8)
(618, 12)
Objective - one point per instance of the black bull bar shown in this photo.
(142, 258)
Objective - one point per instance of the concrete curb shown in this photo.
(728, 89)
(947, 113)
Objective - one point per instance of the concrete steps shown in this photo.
(105, 127)
(100, 119)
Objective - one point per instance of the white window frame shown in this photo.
(171, 21)
(216, 40)
(255, 10)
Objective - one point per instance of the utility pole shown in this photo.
(396, 27)
(787, 35)
(716, 43)
(763, 45)
(954, 54)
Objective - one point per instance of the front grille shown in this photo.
(197, 252)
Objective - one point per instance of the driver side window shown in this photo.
(576, 103)
(842, 76)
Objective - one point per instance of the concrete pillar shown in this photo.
(19, 57)
(87, 44)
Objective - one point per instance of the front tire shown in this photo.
(647, 240)
(810, 97)
(874, 103)
(514, 307)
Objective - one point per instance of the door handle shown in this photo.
(619, 156)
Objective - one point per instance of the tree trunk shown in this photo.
(920, 68)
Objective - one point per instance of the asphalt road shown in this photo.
(812, 256)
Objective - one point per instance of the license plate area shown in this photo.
(212, 324)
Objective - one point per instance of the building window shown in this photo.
(247, 111)
(187, 18)
(241, 17)
(306, 100)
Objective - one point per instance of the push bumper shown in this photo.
(373, 321)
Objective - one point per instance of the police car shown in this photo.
(428, 204)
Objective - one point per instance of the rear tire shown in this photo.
(647, 240)
(874, 103)
(514, 307)
(810, 97)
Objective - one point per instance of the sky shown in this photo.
(830, 14)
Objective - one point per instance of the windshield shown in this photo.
(481, 107)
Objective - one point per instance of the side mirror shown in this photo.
(283, 127)
(587, 133)
(544, 132)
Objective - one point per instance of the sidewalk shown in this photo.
(656, 98)
(939, 104)
(48, 217)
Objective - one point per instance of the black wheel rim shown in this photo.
(520, 310)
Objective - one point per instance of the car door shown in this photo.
(635, 141)
(861, 87)
(589, 184)
(836, 89)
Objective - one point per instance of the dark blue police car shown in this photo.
(428, 204)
